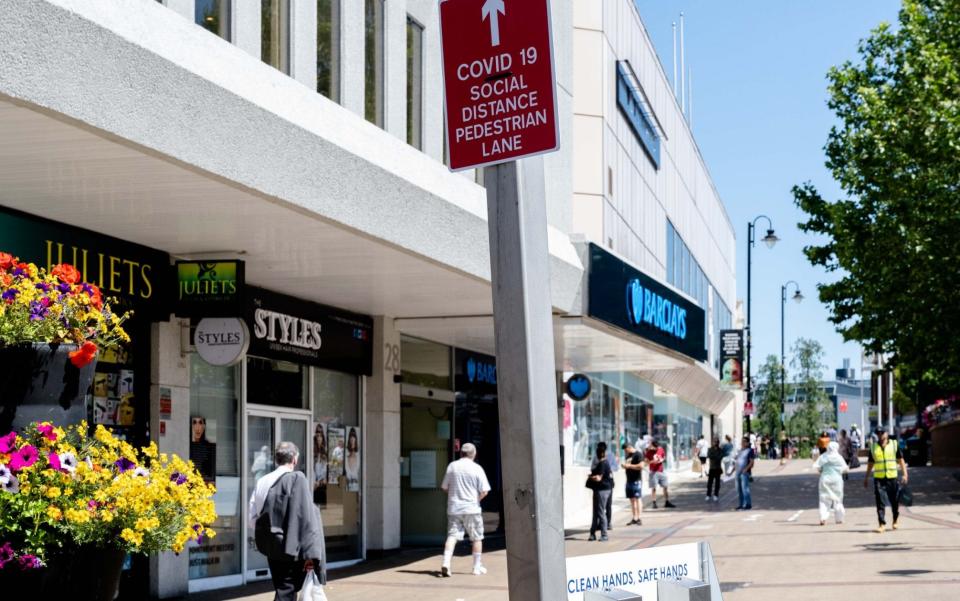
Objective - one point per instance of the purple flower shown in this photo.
(5, 474)
(178, 478)
(124, 465)
(10, 295)
(12, 485)
(29, 562)
(43, 286)
(199, 530)
(91, 504)
(64, 287)
(87, 288)
(38, 310)
(18, 272)
(6, 554)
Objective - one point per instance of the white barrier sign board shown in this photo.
(635, 571)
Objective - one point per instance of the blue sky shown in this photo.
(761, 121)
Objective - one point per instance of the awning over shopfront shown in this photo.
(225, 157)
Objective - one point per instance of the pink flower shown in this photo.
(46, 428)
(29, 562)
(54, 460)
(26, 456)
(6, 554)
(8, 442)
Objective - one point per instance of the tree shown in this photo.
(894, 152)
(768, 409)
(815, 409)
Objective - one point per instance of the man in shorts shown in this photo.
(466, 485)
(655, 457)
(633, 465)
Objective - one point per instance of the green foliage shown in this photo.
(894, 152)
(769, 405)
(815, 410)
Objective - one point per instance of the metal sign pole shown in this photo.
(526, 380)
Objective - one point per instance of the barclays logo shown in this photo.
(481, 372)
(647, 307)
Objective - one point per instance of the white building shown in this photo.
(305, 139)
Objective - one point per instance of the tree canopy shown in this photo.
(895, 151)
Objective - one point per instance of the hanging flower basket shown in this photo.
(52, 325)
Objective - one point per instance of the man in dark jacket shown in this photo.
(287, 525)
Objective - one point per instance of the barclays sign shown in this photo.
(481, 372)
(646, 306)
(475, 372)
(627, 298)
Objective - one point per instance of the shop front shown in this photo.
(300, 381)
(133, 277)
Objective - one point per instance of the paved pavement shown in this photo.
(777, 551)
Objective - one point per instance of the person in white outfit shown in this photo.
(831, 467)
(466, 485)
(702, 448)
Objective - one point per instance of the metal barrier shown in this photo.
(683, 590)
(614, 595)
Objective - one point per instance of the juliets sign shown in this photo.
(629, 299)
(209, 288)
(290, 329)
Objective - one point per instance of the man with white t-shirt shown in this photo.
(466, 485)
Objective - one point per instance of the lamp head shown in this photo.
(797, 296)
(770, 239)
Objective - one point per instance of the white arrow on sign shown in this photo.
(490, 10)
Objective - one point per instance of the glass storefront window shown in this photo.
(414, 83)
(328, 48)
(277, 383)
(425, 363)
(637, 418)
(214, 449)
(337, 468)
(373, 61)
(275, 33)
(214, 16)
(594, 420)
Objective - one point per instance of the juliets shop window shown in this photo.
(215, 451)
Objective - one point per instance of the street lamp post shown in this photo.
(797, 296)
(770, 240)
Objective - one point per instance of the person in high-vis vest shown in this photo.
(885, 457)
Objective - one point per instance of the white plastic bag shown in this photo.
(312, 589)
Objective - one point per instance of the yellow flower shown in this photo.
(53, 492)
(54, 513)
(130, 536)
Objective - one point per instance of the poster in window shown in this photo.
(320, 461)
(351, 460)
(731, 359)
(335, 441)
(203, 446)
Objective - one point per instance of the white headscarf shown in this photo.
(833, 447)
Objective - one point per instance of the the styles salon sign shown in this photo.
(290, 329)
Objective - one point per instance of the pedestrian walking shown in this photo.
(715, 458)
(822, 442)
(846, 451)
(832, 468)
(287, 526)
(885, 456)
(612, 461)
(856, 438)
(633, 466)
(702, 447)
(601, 479)
(745, 459)
(655, 457)
(466, 485)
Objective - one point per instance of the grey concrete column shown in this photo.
(395, 68)
(303, 55)
(246, 26)
(182, 7)
(169, 374)
(352, 55)
(382, 439)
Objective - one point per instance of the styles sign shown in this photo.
(498, 80)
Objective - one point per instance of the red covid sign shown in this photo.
(498, 80)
